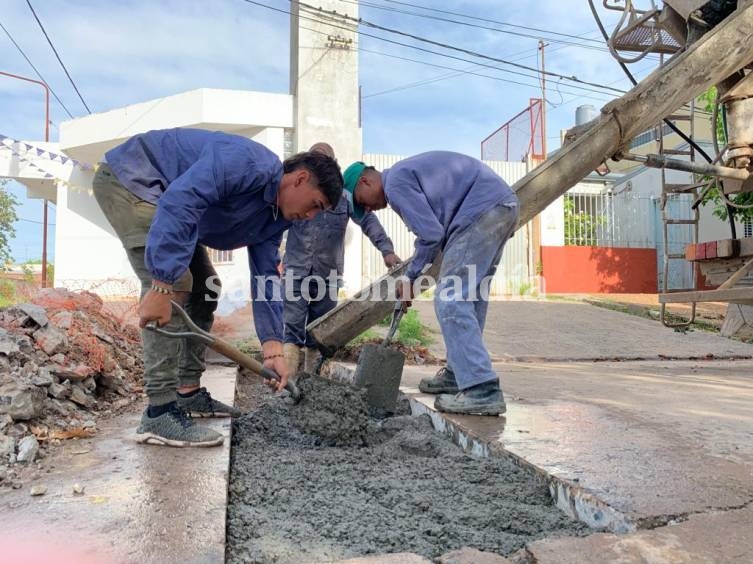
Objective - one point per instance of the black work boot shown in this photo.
(484, 399)
(443, 382)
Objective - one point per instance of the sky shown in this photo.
(125, 52)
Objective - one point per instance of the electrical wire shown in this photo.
(32, 221)
(476, 18)
(597, 47)
(70, 115)
(353, 29)
(456, 72)
(28, 2)
(421, 39)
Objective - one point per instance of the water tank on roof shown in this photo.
(585, 113)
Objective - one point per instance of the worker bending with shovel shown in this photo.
(316, 249)
(168, 195)
(457, 206)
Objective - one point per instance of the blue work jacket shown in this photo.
(438, 193)
(317, 247)
(213, 189)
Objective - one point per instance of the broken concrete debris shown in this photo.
(38, 490)
(63, 359)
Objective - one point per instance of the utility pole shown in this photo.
(46, 139)
(543, 98)
(536, 221)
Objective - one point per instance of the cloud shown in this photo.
(130, 51)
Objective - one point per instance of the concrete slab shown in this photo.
(141, 503)
(713, 537)
(626, 445)
(538, 331)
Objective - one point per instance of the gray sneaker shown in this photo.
(201, 404)
(484, 399)
(443, 382)
(175, 428)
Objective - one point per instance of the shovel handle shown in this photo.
(249, 362)
(225, 349)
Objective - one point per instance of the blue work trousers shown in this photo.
(461, 299)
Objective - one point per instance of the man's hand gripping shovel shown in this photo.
(224, 348)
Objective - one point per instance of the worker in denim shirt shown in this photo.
(170, 194)
(458, 206)
(316, 248)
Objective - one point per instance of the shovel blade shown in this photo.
(379, 371)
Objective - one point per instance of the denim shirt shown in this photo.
(214, 189)
(317, 246)
(438, 193)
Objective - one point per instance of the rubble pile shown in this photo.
(64, 359)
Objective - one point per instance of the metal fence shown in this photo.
(610, 220)
(520, 138)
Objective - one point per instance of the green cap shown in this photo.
(350, 177)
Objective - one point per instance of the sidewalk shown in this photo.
(141, 503)
(572, 330)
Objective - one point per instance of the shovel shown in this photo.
(224, 348)
(380, 368)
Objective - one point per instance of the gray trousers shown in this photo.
(299, 311)
(168, 362)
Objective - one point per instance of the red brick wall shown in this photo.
(599, 270)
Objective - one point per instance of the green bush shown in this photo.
(367, 335)
(411, 331)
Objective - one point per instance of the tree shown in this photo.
(8, 217)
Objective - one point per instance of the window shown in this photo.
(221, 257)
(748, 228)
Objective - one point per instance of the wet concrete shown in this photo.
(140, 503)
(395, 485)
(630, 445)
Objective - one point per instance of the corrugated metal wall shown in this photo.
(514, 271)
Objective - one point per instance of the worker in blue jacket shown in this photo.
(170, 194)
(316, 249)
(458, 206)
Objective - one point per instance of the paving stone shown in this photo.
(722, 536)
(397, 558)
(468, 555)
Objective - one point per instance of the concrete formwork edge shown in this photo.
(570, 498)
